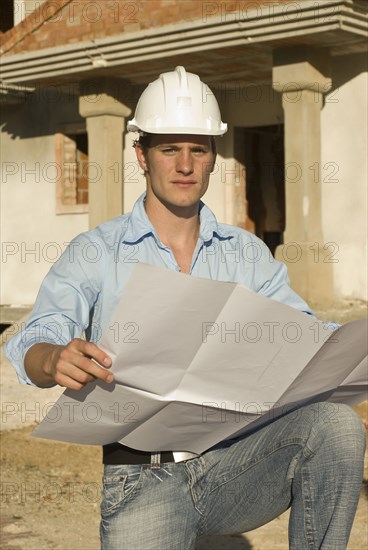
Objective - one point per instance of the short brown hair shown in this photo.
(144, 141)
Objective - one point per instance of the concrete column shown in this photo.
(302, 76)
(105, 114)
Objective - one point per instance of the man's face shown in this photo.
(177, 168)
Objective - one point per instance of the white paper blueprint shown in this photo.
(197, 361)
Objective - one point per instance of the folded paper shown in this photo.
(199, 361)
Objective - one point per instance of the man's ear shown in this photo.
(141, 157)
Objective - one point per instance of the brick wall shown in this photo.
(14, 38)
(58, 22)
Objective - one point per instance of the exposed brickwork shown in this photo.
(59, 22)
(36, 20)
(72, 184)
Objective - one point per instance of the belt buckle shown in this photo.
(182, 456)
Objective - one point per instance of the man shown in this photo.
(311, 461)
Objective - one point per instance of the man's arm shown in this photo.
(72, 366)
(48, 349)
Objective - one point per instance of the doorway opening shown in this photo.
(261, 151)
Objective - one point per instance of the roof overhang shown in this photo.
(340, 25)
(14, 94)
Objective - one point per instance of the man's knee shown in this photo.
(339, 416)
(337, 426)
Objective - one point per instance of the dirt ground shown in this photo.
(51, 494)
(50, 491)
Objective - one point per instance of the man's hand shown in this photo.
(72, 366)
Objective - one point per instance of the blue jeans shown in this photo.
(310, 459)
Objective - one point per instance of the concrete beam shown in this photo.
(248, 26)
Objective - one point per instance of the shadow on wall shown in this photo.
(40, 114)
(51, 108)
(347, 67)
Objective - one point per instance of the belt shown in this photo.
(115, 453)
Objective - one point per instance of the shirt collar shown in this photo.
(139, 225)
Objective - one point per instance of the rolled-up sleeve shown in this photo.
(63, 306)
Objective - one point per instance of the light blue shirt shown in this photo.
(82, 289)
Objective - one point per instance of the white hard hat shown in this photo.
(178, 103)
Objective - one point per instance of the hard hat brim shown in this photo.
(133, 127)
